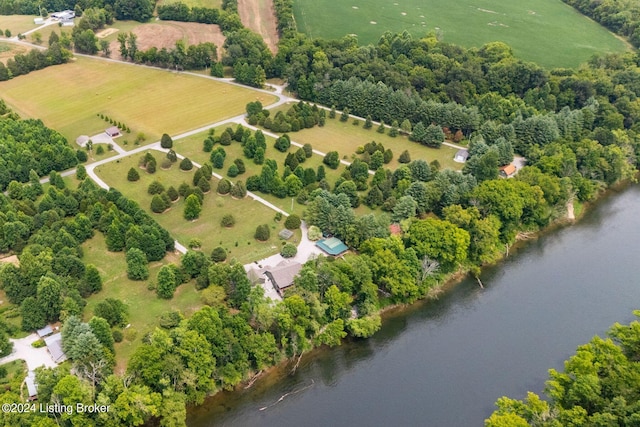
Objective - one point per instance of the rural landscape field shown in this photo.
(195, 194)
(544, 31)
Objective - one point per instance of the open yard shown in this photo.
(237, 240)
(16, 24)
(144, 306)
(68, 98)
(548, 32)
(213, 4)
(9, 50)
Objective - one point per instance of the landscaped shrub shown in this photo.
(218, 254)
(224, 186)
(308, 150)
(133, 175)
(262, 233)
(186, 164)
(314, 233)
(192, 207)
(151, 166)
(184, 190)
(166, 164)
(172, 193)
(233, 171)
(137, 268)
(238, 190)
(100, 150)
(283, 143)
(292, 222)
(240, 165)
(158, 204)
(204, 185)
(155, 188)
(405, 157)
(228, 221)
(166, 141)
(172, 156)
(289, 250)
(332, 159)
(117, 335)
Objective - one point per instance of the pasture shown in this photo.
(548, 32)
(238, 240)
(9, 50)
(212, 4)
(68, 98)
(17, 24)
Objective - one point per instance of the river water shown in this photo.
(444, 363)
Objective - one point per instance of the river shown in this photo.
(444, 363)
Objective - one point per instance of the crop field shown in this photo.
(237, 240)
(548, 32)
(115, 284)
(68, 98)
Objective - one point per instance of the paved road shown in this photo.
(34, 357)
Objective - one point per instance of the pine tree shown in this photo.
(192, 207)
(166, 141)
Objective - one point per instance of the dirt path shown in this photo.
(260, 16)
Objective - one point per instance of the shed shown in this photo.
(508, 171)
(461, 156)
(281, 276)
(82, 140)
(113, 131)
(285, 234)
(44, 332)
(32, 387)
(38, 21)
(54, 345)
(332, 246)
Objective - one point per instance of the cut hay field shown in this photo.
(259, 16)
(548, 32)
(212, 4)
(17, 23)
(237, 240)
(69, 97)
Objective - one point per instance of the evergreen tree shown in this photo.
(204, 185)
(166, 282)
(173, 194)
(137, 265)
(405, 157)
(186, 164)
(262, 233)
(192, 207)
(224, 186)
(166, 141)
(368, 123)
(238, 190)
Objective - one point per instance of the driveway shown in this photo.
(34, 357)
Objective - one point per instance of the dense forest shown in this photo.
(578, 130)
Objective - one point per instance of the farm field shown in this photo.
(115, 284)
(147, 100)
(345, 138)
(259, 16)
(162, 34)
(191, 147)
(9, 50)
(247, 212)
(548, 32)
(17, 23)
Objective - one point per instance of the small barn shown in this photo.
(508, 171)
(32, 387)
(82, 140)
(461, 156)
(112, 131)
(332, 246)
(281, 276)
(54, 345)
(44, 332)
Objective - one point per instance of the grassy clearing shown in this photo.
(9, 50)
(16, 371)
(238, 240)
(212, 4)
(192, 147)
(548, 32)
(17, 24)
(147, 100)
(144, 306)
(345, 138)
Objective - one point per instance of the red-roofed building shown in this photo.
(395, 229)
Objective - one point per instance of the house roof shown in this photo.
(283, 274)
(509, 169)
(82, 140)
(44, 331)
(332, 246)
(395, 229)
(54, 345)
(113, 130)
(30, 381)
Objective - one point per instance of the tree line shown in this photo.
(622, 16)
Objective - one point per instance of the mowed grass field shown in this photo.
(237, 240)
(212, 4)
(144, 306)
(17, 23)
(548, 32)
(68, 98)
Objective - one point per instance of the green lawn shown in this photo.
(69, 97)
(345, 138)
(548, 32)
(192, 147)
(16, 23)
(144, 306)
(238, 240)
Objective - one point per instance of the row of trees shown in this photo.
(35, 59)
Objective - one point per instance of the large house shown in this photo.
(332, 246)
(54, 345)
(281, 276)
(508, 171)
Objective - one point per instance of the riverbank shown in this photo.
(281, 373)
